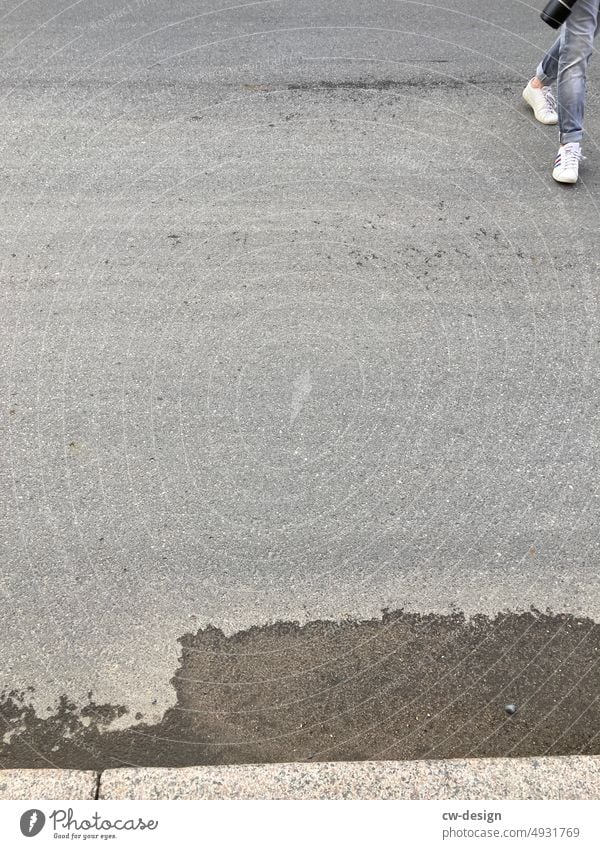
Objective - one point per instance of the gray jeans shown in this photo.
(566, 63)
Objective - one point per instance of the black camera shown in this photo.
(556, 12)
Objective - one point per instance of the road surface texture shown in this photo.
(299, 367)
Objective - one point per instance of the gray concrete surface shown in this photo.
(295, 325)
(47, 784)
(501, 778)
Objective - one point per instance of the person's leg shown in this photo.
(547, 71)
(538, 92)
(576, 47)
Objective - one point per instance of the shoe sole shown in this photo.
(566, 182)
(536, 115)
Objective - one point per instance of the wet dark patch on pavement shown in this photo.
(432, 80)
(403, 686)
(379, 85)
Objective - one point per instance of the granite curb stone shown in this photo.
(572, 777)
(47, 784)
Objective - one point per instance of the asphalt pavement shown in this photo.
(299, 352)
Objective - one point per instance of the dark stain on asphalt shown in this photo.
(383, 85)
(403, 686)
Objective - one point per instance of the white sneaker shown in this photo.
(542, 102)
(566, 165)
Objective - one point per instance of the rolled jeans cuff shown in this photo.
(573, 136)
(542, 76)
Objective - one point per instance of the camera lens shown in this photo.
(556, 12)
